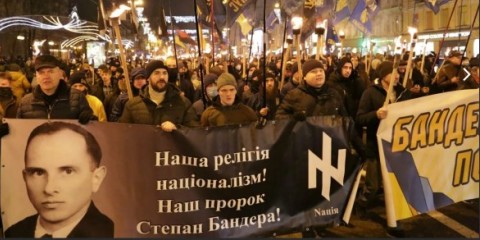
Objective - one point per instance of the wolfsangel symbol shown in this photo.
(324, 164)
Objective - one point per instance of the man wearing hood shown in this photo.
(349, 85)
(160, 103)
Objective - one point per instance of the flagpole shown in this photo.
(284, 53)
(265, 38)
(212, 29)
(468, 38)
(200, 66)
(443, 39)
(173, 33)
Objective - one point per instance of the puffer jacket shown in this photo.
(174, 108)
(20, 84)
(69, 104)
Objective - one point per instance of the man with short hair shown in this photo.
(227, 108)
(160, 103)
(60, 182)
(52, 98)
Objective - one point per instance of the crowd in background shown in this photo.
(173, 93)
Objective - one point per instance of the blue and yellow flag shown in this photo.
(341, 12)
(361, 17)
(332, 37)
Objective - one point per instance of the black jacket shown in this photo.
(93, 224)
(68, 104)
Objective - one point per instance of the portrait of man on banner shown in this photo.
(61, 177)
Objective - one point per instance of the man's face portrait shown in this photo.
(60, 177)
(159, 79)
(48, 79)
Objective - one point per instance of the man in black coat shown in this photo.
(60, 182)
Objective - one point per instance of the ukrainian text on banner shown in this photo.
(430, 146)
(220, 182)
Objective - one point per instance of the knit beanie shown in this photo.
(384, 69)
(153, 65)
(226, 79)
(311, 64)
(209, 79)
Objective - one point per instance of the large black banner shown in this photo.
(234, 181)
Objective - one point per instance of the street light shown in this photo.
(20, 37)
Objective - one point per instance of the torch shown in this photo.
(287, 46)
(114, 16)
(297, 23)
(244, 45)
(319, 30)
(413, 40)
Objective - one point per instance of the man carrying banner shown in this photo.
(227, 108)
(60, 183)
(160, 103)
(370, 112)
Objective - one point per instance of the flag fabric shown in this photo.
(361, 18)
(317, 8)
(206, 16)
(184, 37)
(428, 164)
(341, 12)
(233, 9)
(332, 37)
(434, 5)
(244, 23)
(372, 7)
(271, 21)
(179, 42)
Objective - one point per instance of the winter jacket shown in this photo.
(174, 108)
(68, 104)
(20, 84)
(219, 115)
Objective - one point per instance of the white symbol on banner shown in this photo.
(324, 164)
(468, 74)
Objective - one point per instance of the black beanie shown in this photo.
(78, 77)
(155, 64)
(311, 64)
(384, 69)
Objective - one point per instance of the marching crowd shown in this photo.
(173, 93)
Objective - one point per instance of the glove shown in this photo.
(85, 117)
(261, 122)
(299, 116)
(4, 129)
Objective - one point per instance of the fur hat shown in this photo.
(155, 64)
(226, 79)
(455, 53)
(384, 69)
(311, 64)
